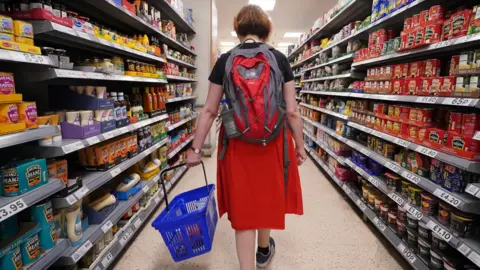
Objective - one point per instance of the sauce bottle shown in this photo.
(117, 110)
(140, 140)
(123, 105)
(161, 105)
(154, 99)
(129, 106)
(147, 101)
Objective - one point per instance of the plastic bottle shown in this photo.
(129, 106)
(161, 99)
(154, 99)
(147, 101)
(117, 110)
(228, 120)
(123, 105)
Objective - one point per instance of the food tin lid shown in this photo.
(422, 224)
(435, 255)
(423, 243)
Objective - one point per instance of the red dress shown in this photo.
(250, 184)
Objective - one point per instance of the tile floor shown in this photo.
(330, 235)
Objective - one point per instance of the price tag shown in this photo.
(374, 181)
(97, 268)
(71, 199)
(84, 35)
(413, 211)
(464, 249)
(106, 261)
(124, 130)
(430, 100)
(115, 172)
(157, 199)
(145, 189)
(64, 29)
(361, 205)
(449, 198)
(105, 42)
(392, 166)
(346, 189)
(474, 257)
(117, 46)
(377, 134)
(137, 125)
(380, 225)
(108, 135)
(472, 189)
(396, 198)
(95, 76)
(82, 250)
(477, 136)
(401, 142)
(137, 223)
(11, 209)
(93, 140)
(81, 192)
(29, 58)
(107, 226)
(457, 101)
(69, 148)
(411, 177)
(426, 151)
(365, 151)
(407, 253)
(125, 236)
(440, 231)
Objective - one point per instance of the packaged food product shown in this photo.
(446, 29)
(436, 171)
(6, 24)
(426, 85)
(8, 114)
(25, 40)
(470, 124)
(436, 86)
(102, 154)
(454, 179)
(27, 112)
(6, 36)
(466, 60)
(7, 83)
(454, 64)
(448, 85)
(435, 13)
(432, 67)
(61, 167)
(435, 135)
(474, 21)
(418, 164)
(23, 29)
(433, 33)
(429, 204)
(460, 23)
(424, 115)
(455, 121)
(460, 142)
(413, 86)
(444, 210)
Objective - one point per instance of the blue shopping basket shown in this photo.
(188, 222)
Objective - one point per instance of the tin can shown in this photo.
(455, 122)
(435, 13)
(420, 36)
(397, 43)
(424, 17)
(407, 23)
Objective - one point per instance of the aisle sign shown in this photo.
(11, 209)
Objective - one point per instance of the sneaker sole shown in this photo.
(265, 264)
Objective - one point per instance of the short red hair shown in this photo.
(252, 20)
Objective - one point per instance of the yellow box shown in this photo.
(27, 112)
(11, 128)
(6, 25)
(23, 29)
(12, 98)
(24, 40)
(14, 46)
(6, 36)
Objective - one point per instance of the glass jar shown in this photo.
(142, 67)
(138, 66)
(131, 65)
(106, 63)
(118, 64)
(96, 62)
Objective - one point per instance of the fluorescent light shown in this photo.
(264, 4)
(234, 34)
(227, 43)
(284, 44)
(292, 34)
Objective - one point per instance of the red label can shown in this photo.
(407, 24)
(435, 13)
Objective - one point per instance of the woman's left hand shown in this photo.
(193, 159)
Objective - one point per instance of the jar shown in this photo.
(138, 66)
(47, 5)
(365, 192)
(142, 67)
(405, 187)
(384, 212)
(444, 211)
(429, 204)
(131, 65)
(96, 62)
(372, 194)
(36, 4)
(393, 182)
(379, 202)
(412, 222)
(72, 14)
(106, 63)
(118, 64)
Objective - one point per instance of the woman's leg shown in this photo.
(264, 238)
(245, 242)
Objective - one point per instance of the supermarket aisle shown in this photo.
(330, 235)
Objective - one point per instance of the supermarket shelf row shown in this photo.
(341, 59)
(23, 57)
(352, 75)
(410, 256)
(92, 180)
(67, 146)
(465, 247)
(450, 101)
(188, 119)
(181, 79)
(124, 236)
(176, 17)
(177, 99)
(50, 256)
(27, 136)
(179, 148)
(326, 129)
(340, 159)
(338, 115)
(180, 62)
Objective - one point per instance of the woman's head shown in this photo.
(252, 21)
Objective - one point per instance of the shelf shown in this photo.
(174, 126)
(180, 62)
(178, 78)
(461, 201)
(469, 165)
(331, 132)
(123, 237)
(27, 136)
(340, 159)
(297, 75)
(401, 247)
(177, 18)
(10, 206)
(59, 34)
(177, 99)
(67, 146)
(92, 180)
(297, 98)
(345, 75)
(311, 57)
(341, 59)
(54, 73)
(298, 86)
(440, 47)
(327, 93)
(324, 166)
(51, 255)
(171, 154)
(338, 115)
(23, 57)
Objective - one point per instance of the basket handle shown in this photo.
(162, 174)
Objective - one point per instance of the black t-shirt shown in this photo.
(219, 69)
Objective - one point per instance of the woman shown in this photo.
(250, 177)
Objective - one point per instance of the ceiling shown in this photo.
(287, 16)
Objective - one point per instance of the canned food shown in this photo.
(444, 211)
(414, 197)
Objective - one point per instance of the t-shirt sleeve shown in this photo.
(218, 71)
(286, 68)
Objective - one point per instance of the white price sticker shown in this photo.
(374, 181)
(145, 189)
(106, 261)
(81, 192)
(407, 253)
(137, 223)
(472, 189)
(82, 250)
(157, 199)
(346, 189)
(108, 135)
(474, 257)
(411, 177)
(97, 268)
(84, 35)
(125, 236)
(377, 134)
(440, 231)
(361, 205)
(430, 100)
(426, 151)
(71, 199)
(392, 167)
(365, 151)
(105, 42)
(413, 211)
(11, 209)
(477, 136)
(115, 172)
(69, 148)
(29, 58)
(396, 198)
(457, 101)
(107, 226)
(449, 198)
(380, 225)
(137, 125)
(123, 130)
(401, 142)
(464, 249)
(93, 140)
(95, 76)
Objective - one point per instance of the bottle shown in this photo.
(129, 106)
(148, 136)
(123, 105)
(117, 109)
(147, 101)
(161, 100)
(154, 99)
(228, 120)
(140, 140)
(145, 41)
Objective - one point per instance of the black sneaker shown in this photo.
(264, 260)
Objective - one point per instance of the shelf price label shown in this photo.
(426, 151)
(361, 205)
(411, 177)
(374, 181)
(126, 236)
(81, 251)
(396, 198)
(392, 166)
(71, 199)
(137, 223)
(157, 199)
(464, 249)
(108, 135)
(474, 257)
(346, 189)
(413, 211)
(380, 225)
(84, 35)
(81, 192)
(449, 198)
(365, 151)
(115, 172)
(472, 189)
(457, 101)
(440, 231)
(106, 261)
(430, 100)
(93, 140)
(107, 226)
(26, 57)
(72, 147)
(145, 189)
(11, 209)
(401, 142)
(407, 253)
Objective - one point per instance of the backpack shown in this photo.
(255, 108)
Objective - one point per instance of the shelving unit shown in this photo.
(54, 73)
(27, 136)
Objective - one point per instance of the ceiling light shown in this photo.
(264, 4)
(284, 44)
(227, 43)
(292, 34)
(234, 34)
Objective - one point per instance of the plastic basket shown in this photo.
(188, 222)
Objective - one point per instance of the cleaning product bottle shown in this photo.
(73, 223)
(145, 41)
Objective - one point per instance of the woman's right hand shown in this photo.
(301, 155)
(193, 159)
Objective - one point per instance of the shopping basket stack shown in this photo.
(188, 222)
